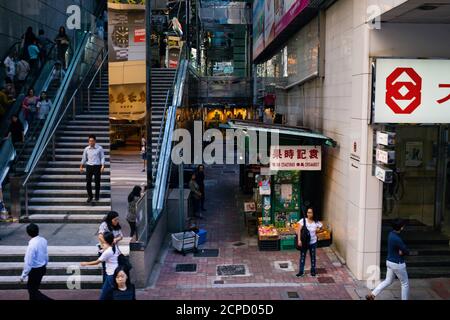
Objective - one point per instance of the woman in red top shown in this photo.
(29, 106)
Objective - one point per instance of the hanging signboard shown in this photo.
(304, 158)
(174, 45)
(412, 91)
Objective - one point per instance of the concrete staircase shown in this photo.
(162, 81)
(63, 269)
(429, 252)
(58, 192)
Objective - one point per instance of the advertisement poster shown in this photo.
(127, 102)
(414, 154)
(126, 34)
(269, 22)
(270, 19)
(258, 27)
(266, 213)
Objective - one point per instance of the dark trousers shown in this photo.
(202, 199)
(312, 252)
(34, 282)
(93, 171)
(132, 228)
(196, 203)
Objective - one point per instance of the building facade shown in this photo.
(323, 76)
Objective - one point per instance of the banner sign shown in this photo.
(412, 91)
(296, 158)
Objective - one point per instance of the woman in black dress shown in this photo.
(123, 289)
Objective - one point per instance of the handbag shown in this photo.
(305, 236)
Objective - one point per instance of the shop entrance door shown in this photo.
(443, 215)
(413, 195)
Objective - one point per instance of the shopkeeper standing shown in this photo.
(313, 227)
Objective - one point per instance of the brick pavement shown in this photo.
(263, 280)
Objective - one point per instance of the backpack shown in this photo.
(305, 236)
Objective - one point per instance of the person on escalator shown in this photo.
(29, 106)
(58, 73)
(62, 44)
(22, 71)
(16, 131)
(34, 52)
(44, 105)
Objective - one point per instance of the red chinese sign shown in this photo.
(297, 158)
(139, 35)
(412, 90)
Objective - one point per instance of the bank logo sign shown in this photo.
(412, 91)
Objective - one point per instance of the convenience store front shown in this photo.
(280, 193)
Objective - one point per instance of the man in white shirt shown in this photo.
(36, 259)
(94, 159)
(10, 65)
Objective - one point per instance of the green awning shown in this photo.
(280, 129)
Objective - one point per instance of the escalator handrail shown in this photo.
(44, 138)
(164, 163)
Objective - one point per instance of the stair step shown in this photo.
(64, 218)
(103, 134)
(67, 201)
(67, 164)
(83, 139)
(53, 282)
(53, 269)
(76, 170)
(424, 272)
(66, 185)
(67, 193)
(86, 127)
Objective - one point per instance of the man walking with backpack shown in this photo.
(395, 262)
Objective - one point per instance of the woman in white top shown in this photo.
(43, 106)
(313, 226)
(110, 257)
(110, 224)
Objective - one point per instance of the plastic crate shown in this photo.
(269, 245)
(202, 236)
(287, 242)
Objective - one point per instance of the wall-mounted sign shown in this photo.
(386, 138)
(304, 158)
(127, 102)
(139, 35)
(385, 156)
(412, 91)
(384, 174)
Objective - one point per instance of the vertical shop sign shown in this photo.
(266, 212)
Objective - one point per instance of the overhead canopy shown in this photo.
(280, 129)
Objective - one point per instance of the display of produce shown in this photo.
(267, 232)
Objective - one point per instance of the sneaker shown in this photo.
(299, 275)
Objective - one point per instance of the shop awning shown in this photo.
(280, 129)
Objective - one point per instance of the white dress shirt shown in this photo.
(93, 156)
(36, 255)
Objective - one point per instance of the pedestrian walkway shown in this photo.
(266, 275)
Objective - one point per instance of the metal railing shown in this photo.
(7, 155)
(98, 72)
(164, 163)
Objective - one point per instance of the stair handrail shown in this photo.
(158, 145)
(93, 78)
(55, 116)
(164, 163)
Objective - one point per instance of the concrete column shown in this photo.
(365, 191)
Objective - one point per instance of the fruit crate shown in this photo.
(287, 242)
(269, 245)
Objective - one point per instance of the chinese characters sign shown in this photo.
(127, 102)
(412, 91)
(304, 158)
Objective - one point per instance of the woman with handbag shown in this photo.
(110, 257)
(307, 240)
(62, 44)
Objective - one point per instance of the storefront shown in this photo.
(282, 191)
(214, 116)
(411, 152)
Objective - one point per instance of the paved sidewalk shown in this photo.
(264, 279)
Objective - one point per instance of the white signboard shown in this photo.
(386, 157)
(412, 91)
(304, 158)
(383, 174)
(385, 138)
